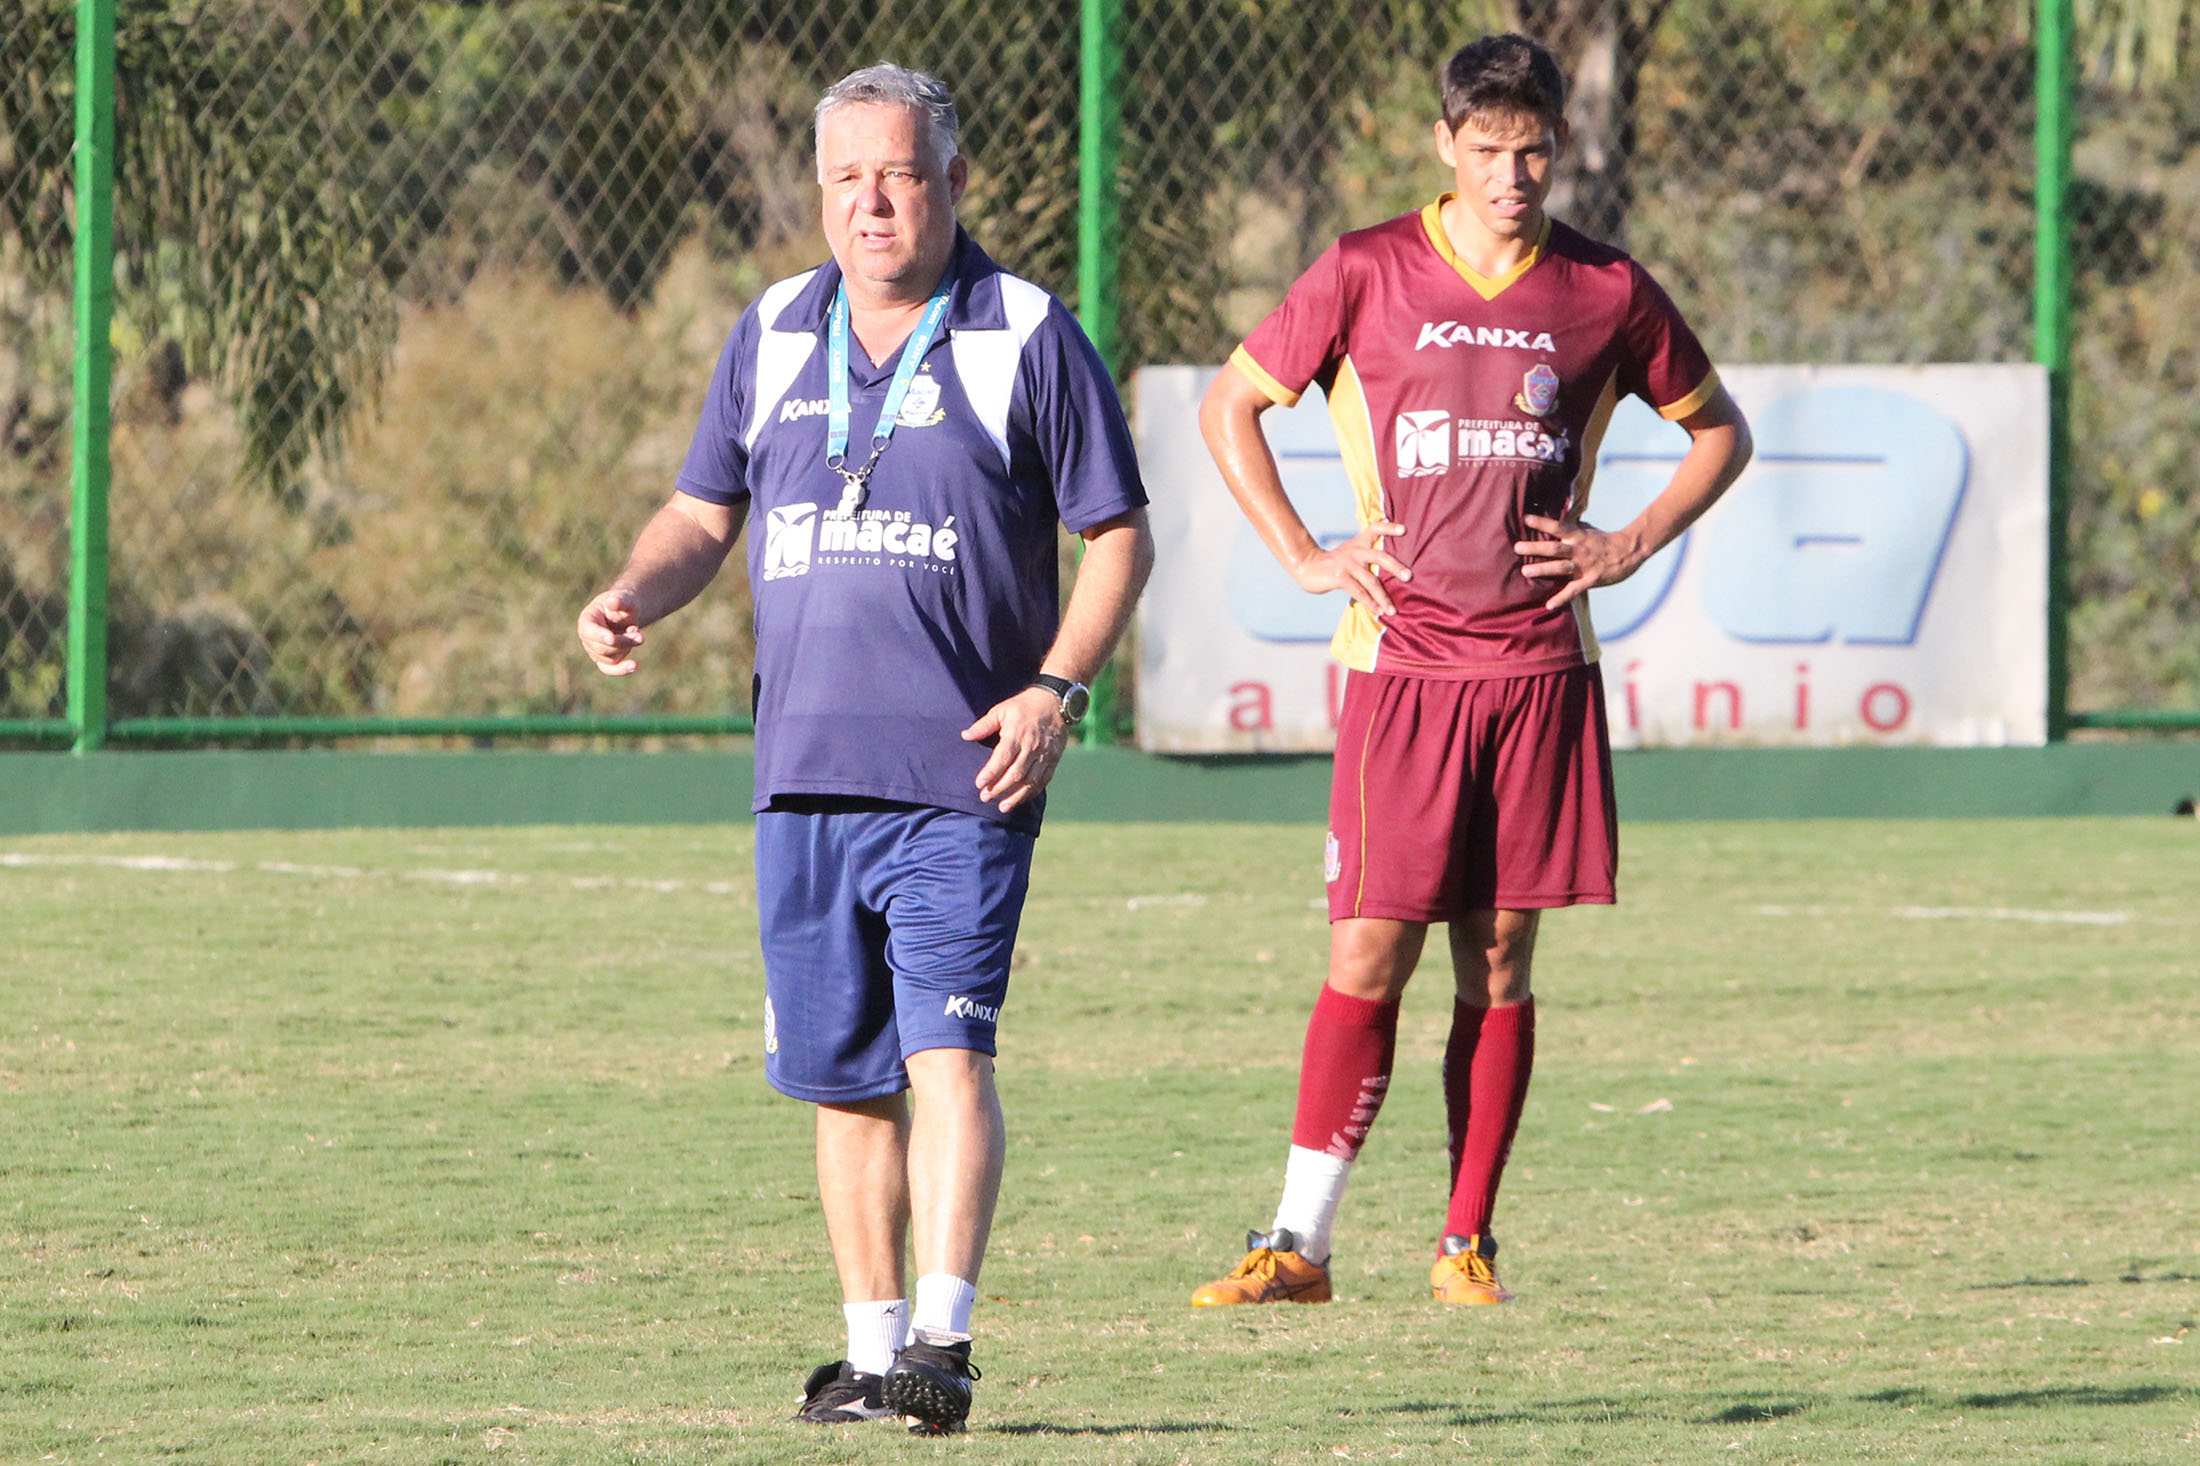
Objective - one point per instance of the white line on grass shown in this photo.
(1970, 913)
(168, 863)
(2012, 913)
(288, 868)
(119, 862)
(462, 877)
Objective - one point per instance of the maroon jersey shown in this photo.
(1463, 403)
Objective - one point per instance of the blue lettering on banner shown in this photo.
(1848, 512)
(1836, 532)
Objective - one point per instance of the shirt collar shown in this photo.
(1432, 223)
(974, 304)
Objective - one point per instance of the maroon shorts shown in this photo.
(1451, 797)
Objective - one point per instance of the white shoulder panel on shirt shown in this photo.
(985, 361)
(780, 355)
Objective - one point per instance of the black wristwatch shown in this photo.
(1075, 697)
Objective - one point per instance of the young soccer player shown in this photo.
(1471, 353)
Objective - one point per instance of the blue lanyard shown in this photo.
(836, 391)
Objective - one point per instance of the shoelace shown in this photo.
(1476, 1267)
(1260, 1262)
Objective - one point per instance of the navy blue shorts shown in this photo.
(887, 930)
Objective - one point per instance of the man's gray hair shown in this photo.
(896, 86)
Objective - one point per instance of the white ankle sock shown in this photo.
(876, 1332)
(1313, 1184)
(943, 1305)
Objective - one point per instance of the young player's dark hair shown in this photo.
(1500, 76)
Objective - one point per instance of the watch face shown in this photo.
(1076, 703)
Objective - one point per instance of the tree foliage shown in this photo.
(1830, 180)
(241, 232)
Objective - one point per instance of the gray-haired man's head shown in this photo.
(896, 86)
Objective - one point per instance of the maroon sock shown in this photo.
(1344, 1072)
(1466, 1031)
(1497, 1089)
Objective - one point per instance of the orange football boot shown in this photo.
(1465, 1272)
(1272, 1272)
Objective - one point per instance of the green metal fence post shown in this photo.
(1099, 115)
(2051, 331)
(94, 304)
(1099, 111)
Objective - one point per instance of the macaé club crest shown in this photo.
(1538, 390)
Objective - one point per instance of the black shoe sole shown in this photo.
(937, 1407)
(833, 1417)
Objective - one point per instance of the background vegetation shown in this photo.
(416, 300)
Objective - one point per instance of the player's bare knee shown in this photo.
(1508, 985)
(944, 1072)
(1372, 959)
(1493, 957)
(890, 1110)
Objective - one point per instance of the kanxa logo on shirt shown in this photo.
(961, 1007)
(1451, 333)
(920, 409)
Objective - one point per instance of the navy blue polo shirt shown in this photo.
(880, 637)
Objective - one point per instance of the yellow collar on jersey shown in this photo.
(1432, 219)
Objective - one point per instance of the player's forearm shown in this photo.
(676, 555)
(1118, 557)
(1229, 419)
(1716, 457)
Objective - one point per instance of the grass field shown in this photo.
(1848, 1142)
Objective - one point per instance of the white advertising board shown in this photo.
(1877, 575)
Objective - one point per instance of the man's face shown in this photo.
(889, 205)
(1501, 166)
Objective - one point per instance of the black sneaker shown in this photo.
(840, 1394)
(930, 1384)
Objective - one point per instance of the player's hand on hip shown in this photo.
(609, 632)
(1357, 566)
(1029, 738)
(1581, 555)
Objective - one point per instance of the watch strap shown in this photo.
(1064, 691)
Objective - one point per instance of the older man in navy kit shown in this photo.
(910, 424)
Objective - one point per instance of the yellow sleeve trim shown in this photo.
(1694, 400)
(1277, 393)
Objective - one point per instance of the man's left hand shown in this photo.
(1583, 555)
(1031, 737)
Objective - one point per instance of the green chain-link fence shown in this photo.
(35, 358)
(415, 301)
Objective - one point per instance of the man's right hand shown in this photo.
(609, 631)
(1358, 566)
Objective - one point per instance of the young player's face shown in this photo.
(889, 205)
(1502, 169)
